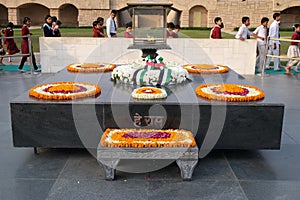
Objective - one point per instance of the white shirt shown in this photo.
(261, 31)
(243, 32)
(110, 27)
(274, 32)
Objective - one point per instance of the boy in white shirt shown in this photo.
(274, 45)
(244, 32)
(262, 33)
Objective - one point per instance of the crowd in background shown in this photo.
(51, 28)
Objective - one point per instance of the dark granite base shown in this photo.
(80, 123)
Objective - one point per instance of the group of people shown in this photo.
(261, 33)
(111, 28)
(12, 47)
(51, 26)
(50, 29)
(172, 30)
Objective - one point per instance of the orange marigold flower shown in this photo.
(230, 92)
(205, 68)
(147, 138)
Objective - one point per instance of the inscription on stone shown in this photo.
(153, 121)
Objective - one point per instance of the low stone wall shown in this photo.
(57, 53)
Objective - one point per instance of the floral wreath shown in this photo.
(90, 67)
(64, 90)
(205, 68)
(149, 93)
(145, 138)
(230, 92)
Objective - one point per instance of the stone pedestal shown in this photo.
(186, 158)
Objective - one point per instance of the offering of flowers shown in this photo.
(90, 67)
(64, 90)
(149, 93)
(205, 68)
(151, 72)
(230, 92)
(146, 138)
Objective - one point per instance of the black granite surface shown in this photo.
(80, 123)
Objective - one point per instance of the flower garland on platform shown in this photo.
(230, 92)
(205, 68)
(90, 67)
(149, 93)
(64, 90)
(152, 72)
(146, 138)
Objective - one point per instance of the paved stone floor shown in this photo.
(74, 174)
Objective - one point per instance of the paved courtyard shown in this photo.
(223, 174)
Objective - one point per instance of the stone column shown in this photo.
(13, 16)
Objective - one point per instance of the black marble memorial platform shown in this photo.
(80, 123)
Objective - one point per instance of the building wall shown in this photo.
(230, 10)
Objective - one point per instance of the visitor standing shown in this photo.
(96, 30)
(111, 28)
(274, 45)
(101, 22)
(25, 47)
(2, 51)
(47, 27)
(128, 33)
(56, 28)
(244, 32)
(169, 30)
(10, 42)
(176, 30)
(293, 51)
(215, 33)
(261, 32)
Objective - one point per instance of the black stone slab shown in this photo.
(80, 123)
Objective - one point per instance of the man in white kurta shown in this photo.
(274, 45)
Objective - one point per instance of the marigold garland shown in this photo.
(149, 93)
(64, 90)
(230, 92)
(205, 68)
(146, 138)
(91, 67)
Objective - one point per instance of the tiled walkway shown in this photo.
(75, 174)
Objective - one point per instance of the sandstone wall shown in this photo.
(230, 10)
